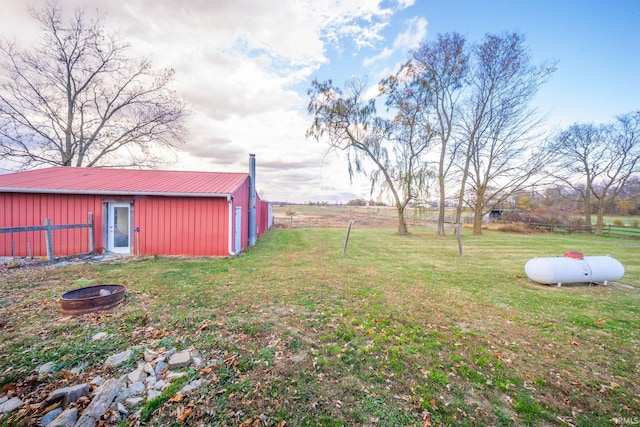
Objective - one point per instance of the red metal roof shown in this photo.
(73, 180)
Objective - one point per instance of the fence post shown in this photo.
(48, 235)
(458, 227)
(346, 239)
(92, 247)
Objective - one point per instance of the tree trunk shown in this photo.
(477, 220)
(463, 183)
(477, 212)
(587, 204)
(441, 208)
(402, 223)
(600, 218)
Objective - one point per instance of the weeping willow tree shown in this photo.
(388, 151)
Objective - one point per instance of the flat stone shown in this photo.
(122, 409)
(196, 359)
(99, 336)
(97, 380)
(10, 405)
(159, 385)
(137, 375)
(150, 383)
(50, 416)
(175, 375)
(100, 403)
(180, 360)
(67, 418)
(153, 394)
(118, 359)
(133, 401)
(68, 395)
(148, 368)
(137, 388)
(123, 394)
(46, 368)
(193, 385)
(150, 355)
(160, 366)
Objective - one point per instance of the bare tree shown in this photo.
(578, 153)
(347, 121)
(599, 161)
(78, 100)
(498, 125)
(439, 68)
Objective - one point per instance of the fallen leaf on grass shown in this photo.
(183, 414)
(7, 387)
(176, 398)
(207, 369)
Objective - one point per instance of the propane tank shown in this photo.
(574, 268)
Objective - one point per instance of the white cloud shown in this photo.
(406, 40)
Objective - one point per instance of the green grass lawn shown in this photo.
(400, 331)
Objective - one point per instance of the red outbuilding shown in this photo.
(140, 212)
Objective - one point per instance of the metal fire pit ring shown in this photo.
(89, 299)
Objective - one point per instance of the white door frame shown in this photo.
(119, 231)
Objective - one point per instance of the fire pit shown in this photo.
(91, 298)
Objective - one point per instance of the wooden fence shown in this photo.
(48, 233)
(607, 230)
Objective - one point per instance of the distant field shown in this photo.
(386, 216)
(339, 216)
(400, 331)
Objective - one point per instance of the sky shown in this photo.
(244, 67)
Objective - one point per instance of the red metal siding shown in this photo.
(23, 210)
(192, 226)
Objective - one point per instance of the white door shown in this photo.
(119, 231)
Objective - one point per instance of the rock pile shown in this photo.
(114, 398)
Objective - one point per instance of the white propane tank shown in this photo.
(569, 269)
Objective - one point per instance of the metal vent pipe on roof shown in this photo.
(252, 199)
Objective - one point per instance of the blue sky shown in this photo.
(244, 67)
(596, 44)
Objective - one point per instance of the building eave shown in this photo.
(111, 193)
